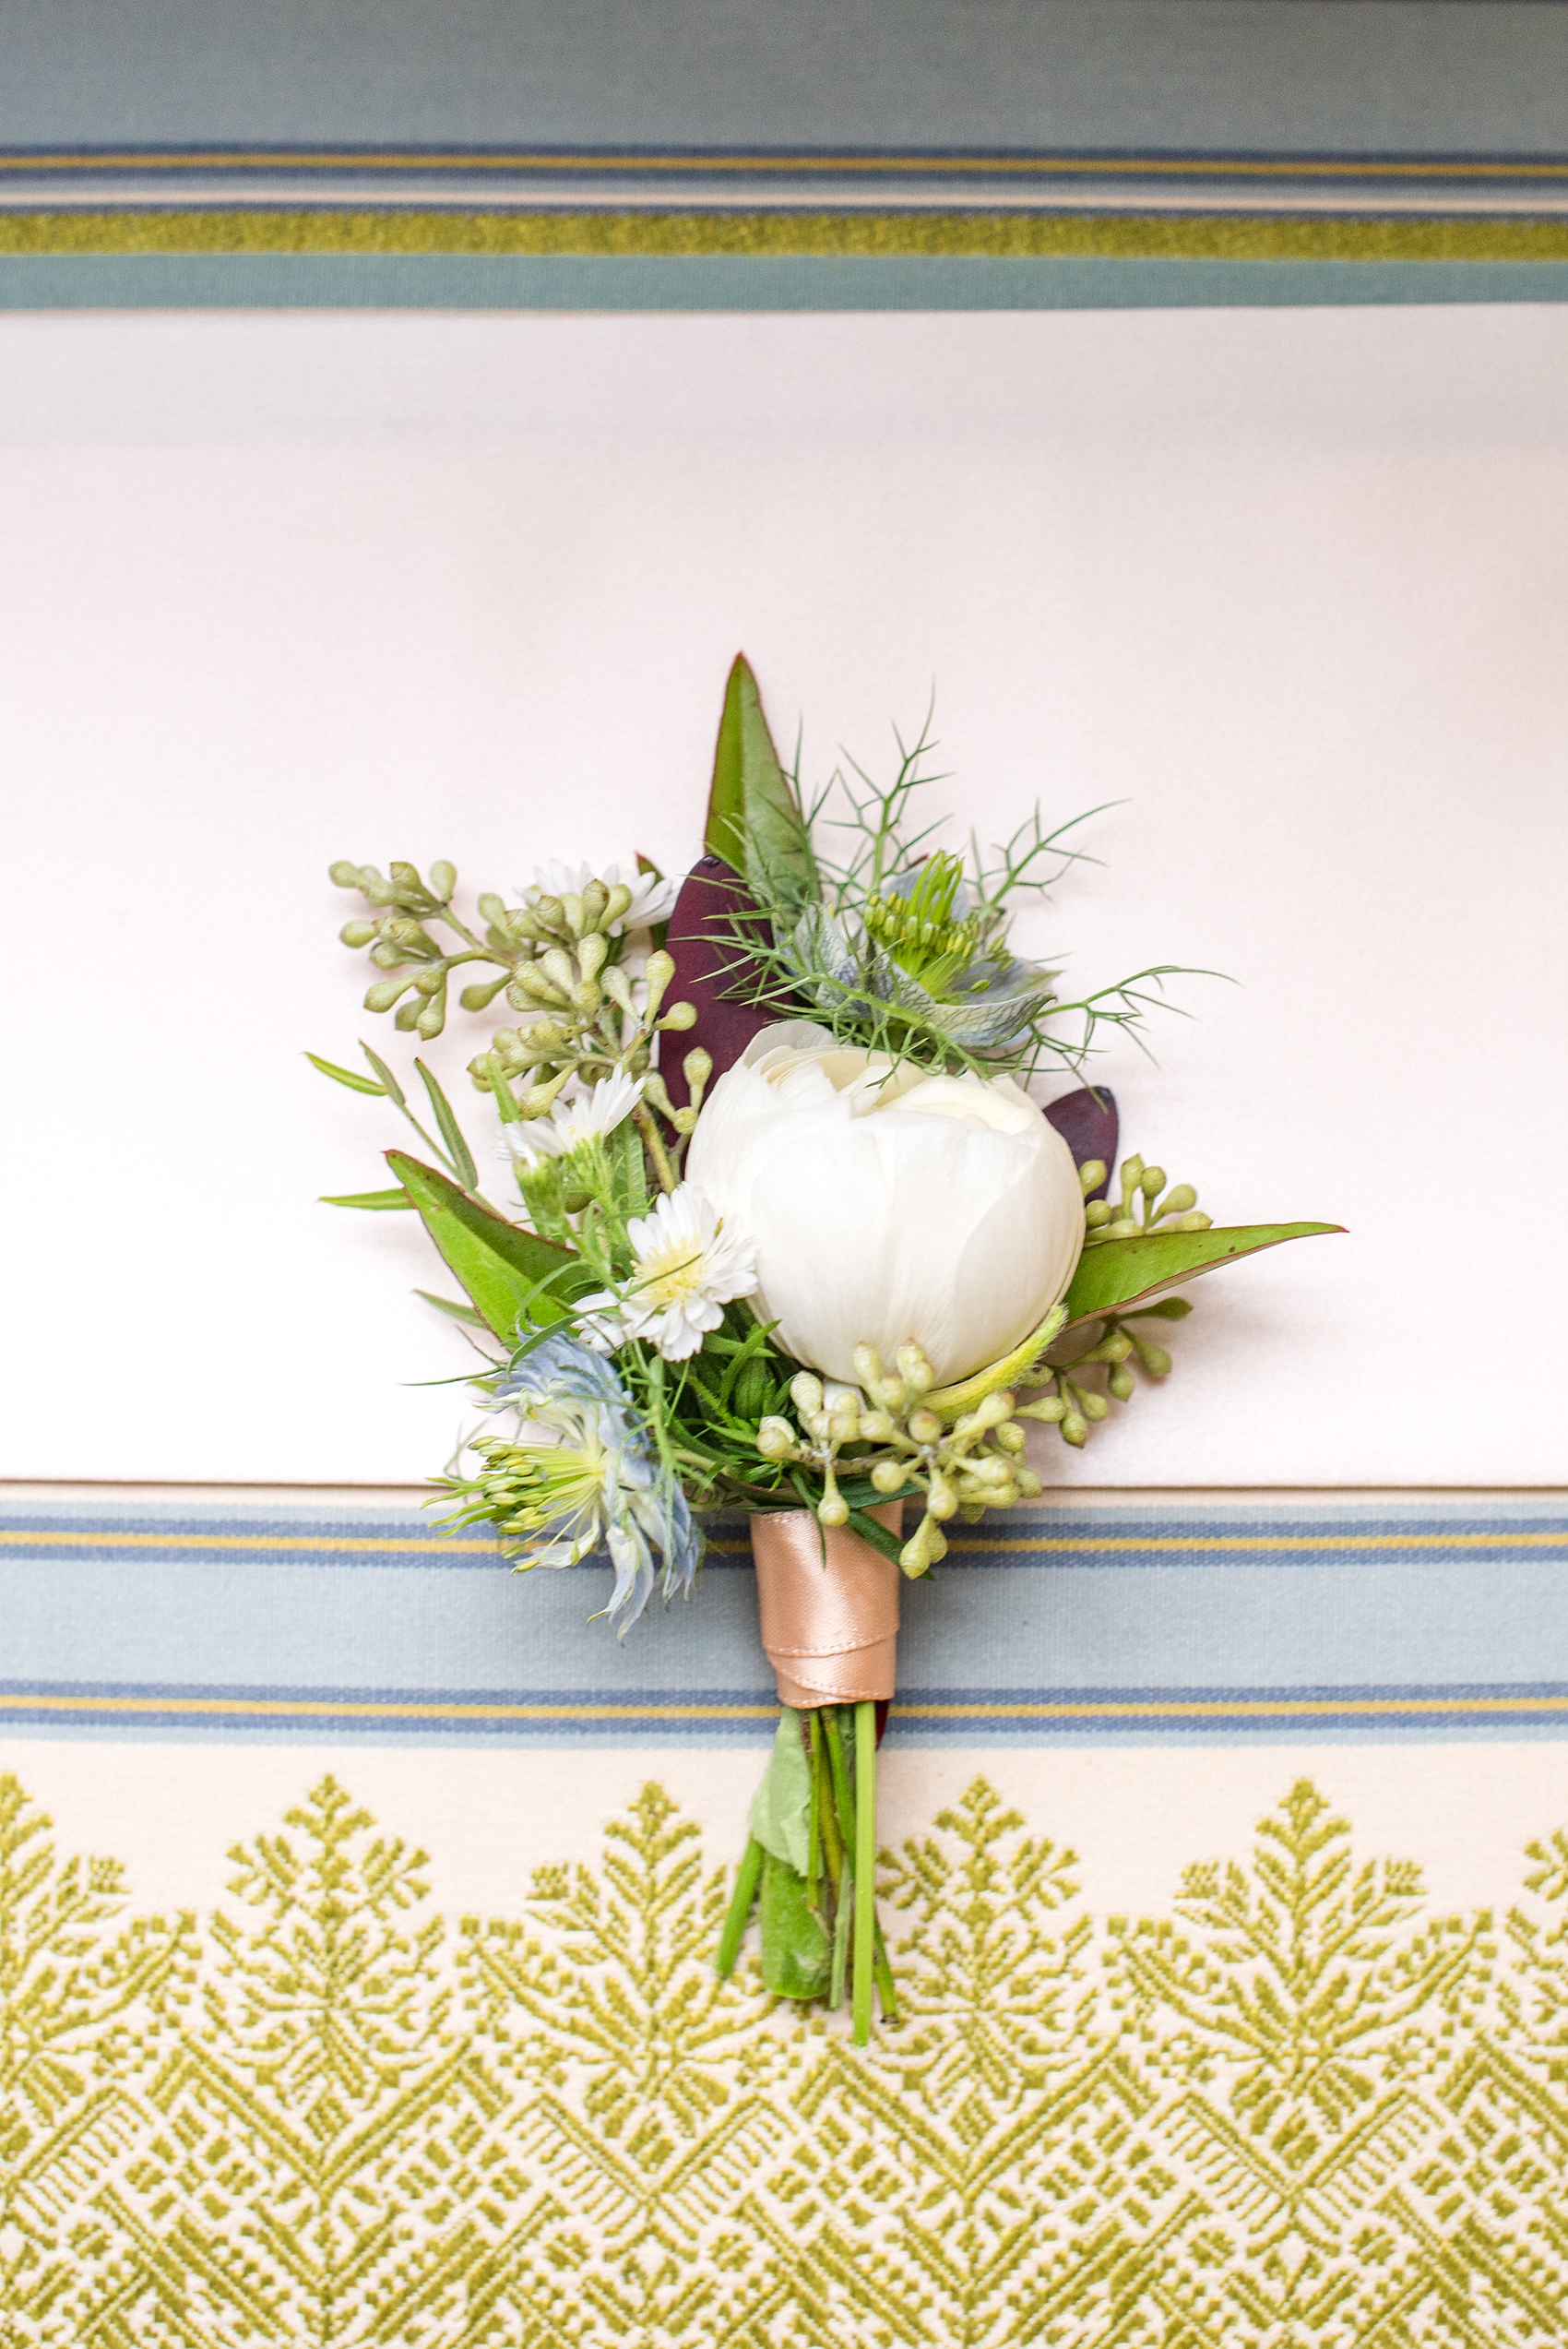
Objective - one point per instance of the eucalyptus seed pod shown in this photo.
(595, 897)
(540, 1100)
(357, 933)
(1097, 1213)
(388, 957)
(408, 1014)
(1123, 1384)
(431, 981)
(559, 969)
(615, 904)
(432, 1019)
(1091, 1174)
(592, 954)
(405, 932)
(385, 994)
(442, 879)
(1155, 1359)
(528, 987)
(547, 912)
(1094, 1407)
(1182, 1198)
(1075, 1431)
(344, 876)
(888, 1476)
(660, 970)
(571, 912)
(481, 993)
(1151, 1182)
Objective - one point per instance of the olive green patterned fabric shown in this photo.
(1296, 2107)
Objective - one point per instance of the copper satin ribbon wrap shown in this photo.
(831, 1631)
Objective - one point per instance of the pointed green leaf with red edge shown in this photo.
(1118, 1273)
(512, 1275)
(754, 818)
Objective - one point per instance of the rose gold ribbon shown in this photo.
(831, 1631)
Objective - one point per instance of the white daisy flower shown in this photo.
(689, 1265)
(652, 899)
(586, 1118)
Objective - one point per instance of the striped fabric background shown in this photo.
(1086, 1619)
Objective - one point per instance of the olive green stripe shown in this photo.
(676, 235)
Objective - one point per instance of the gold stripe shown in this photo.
(1196, 167)
(398, 1544)
(1053, 1544)
(757, 234)
(1238, 1708)
(1204, 1709)
(1065, 1544)
(1061, 1542)
(361, 1709)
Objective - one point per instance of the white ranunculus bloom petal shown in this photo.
(887, 1205)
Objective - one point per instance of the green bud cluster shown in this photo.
(892, 1438)
(920, 930)
(1072, 1403)
(1145, 1204)
(561, 968)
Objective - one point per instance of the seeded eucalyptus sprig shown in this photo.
(561, 960)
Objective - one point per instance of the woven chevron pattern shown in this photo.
(1296, 2108)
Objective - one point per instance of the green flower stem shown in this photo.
(814, 1844)
(643, 1120)
(748, 1876)
(841, 1933)
(841, 1794)
(865, 1866)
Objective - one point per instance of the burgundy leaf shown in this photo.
(1087, 1122)
(706, 939)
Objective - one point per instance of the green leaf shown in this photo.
(447, 1304)
(451, 1132)
(389, 1084)
(382, 1200)
(780, 1816)
(345, 1076)
(754, 818)
(1123, 1272)
(864, 1524)
(796, 1953)
(511, 1275)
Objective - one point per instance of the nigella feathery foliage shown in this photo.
(902, 945)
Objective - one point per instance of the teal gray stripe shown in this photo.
(577, 282)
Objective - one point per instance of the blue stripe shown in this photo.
(723, 284)
(127, 1620)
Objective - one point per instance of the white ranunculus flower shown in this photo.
(887, 1207)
